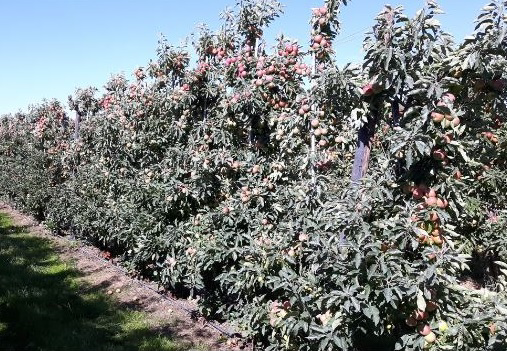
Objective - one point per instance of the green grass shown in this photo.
(44, 306)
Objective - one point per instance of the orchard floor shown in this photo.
(55, 296)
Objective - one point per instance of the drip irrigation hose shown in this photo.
(174, 302)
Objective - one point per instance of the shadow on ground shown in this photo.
(43, 306)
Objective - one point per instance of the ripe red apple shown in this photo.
(437, 240)
(436, 232)
(440, 203)
(492, 328)
(437, 117)
(420, 315)
(431, 306)
(431, 201)
(424, 329)
(303, 237)
(421, 206)
(446, 139)
(439, 155)
(411, 321)
(450, 97)
(245, 198)
(434, 217)
(417, 193)
(368, 90)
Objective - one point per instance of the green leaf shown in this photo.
(421, 303)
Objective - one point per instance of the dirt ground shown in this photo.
(176, 317)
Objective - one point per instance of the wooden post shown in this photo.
(365, 140)
(77, 122)
(251, 134)
(395, 106)
(314, 110)
(364, 145)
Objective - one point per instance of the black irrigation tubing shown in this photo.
(172, 301)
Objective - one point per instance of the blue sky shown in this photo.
(51, 47)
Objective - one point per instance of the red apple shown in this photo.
(420, 315)
(439, 155)
(411, 321)
(431, 201)
(417, 193)
(368, 90)
(431, 305)
(424, 329)
(437, 117)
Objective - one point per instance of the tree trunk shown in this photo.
(77, 122)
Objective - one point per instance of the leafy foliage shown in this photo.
(230, 180)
